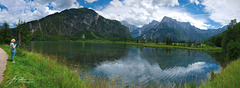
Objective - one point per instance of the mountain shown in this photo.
(178, 31)
(138, 32)
(130, 26)
(77, 24)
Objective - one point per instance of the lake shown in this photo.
(133, 64)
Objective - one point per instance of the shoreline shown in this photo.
(154, 45)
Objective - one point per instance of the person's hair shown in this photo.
(13, 40)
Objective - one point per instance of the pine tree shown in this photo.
(6, 33)
(157, 40)
(170, 41)
(125, 39)
(163, 40)
(167, 42)
(1, 34)
(189, 43)
(26, 35)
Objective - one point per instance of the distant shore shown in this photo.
(159, 45)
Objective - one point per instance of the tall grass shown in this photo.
(36, 71)
(228, 78)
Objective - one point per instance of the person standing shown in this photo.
(13, 49)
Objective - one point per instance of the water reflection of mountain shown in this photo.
(150, 66)
(79, 52)
(169, 58)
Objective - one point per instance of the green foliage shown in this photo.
(20, 53)
(164, 40)
(231, 34)
(1, 35)
(157, 40)
(142, 40)
(229, 41)
(189, 43)
(233, 50)
(215, 40)
(26, 35)
(149, 40)
(228, 78)
(169, 41)
(5, 34)
(125, 39)
(212, 75)
(190, 85)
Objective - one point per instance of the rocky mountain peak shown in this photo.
(168, 19)
(130, 26)
(75, 23)
(178, 31)
(154, 22)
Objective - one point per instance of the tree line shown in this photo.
(229, 40)
(7, 33)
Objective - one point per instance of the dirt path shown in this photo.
(3, 63)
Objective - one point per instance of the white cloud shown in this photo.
(142, 12)
(194, 1)
(90, 1)
(32, 10)
(222, 11)
(165, 2)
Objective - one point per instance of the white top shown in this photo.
(12, 46)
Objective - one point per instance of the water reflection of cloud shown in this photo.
(140, 70)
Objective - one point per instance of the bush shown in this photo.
(212, 75)
(20, 53)
(233, 50)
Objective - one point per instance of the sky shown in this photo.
(203, 14)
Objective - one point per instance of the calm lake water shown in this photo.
(133, 64)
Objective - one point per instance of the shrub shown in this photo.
(233, 50)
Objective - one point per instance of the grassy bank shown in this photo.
(33, 70)
(160, 45)
(228, 78)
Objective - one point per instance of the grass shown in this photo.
(33, 70)
(228, 78)
(160, 45)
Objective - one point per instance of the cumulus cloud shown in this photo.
(142, 12)
(32, 10)
(90, 1)
(165, 2)
(222, 11)
(194, 1)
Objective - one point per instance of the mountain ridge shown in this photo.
(78, 24)
(178, 31)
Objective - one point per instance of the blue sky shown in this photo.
(204, 14)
